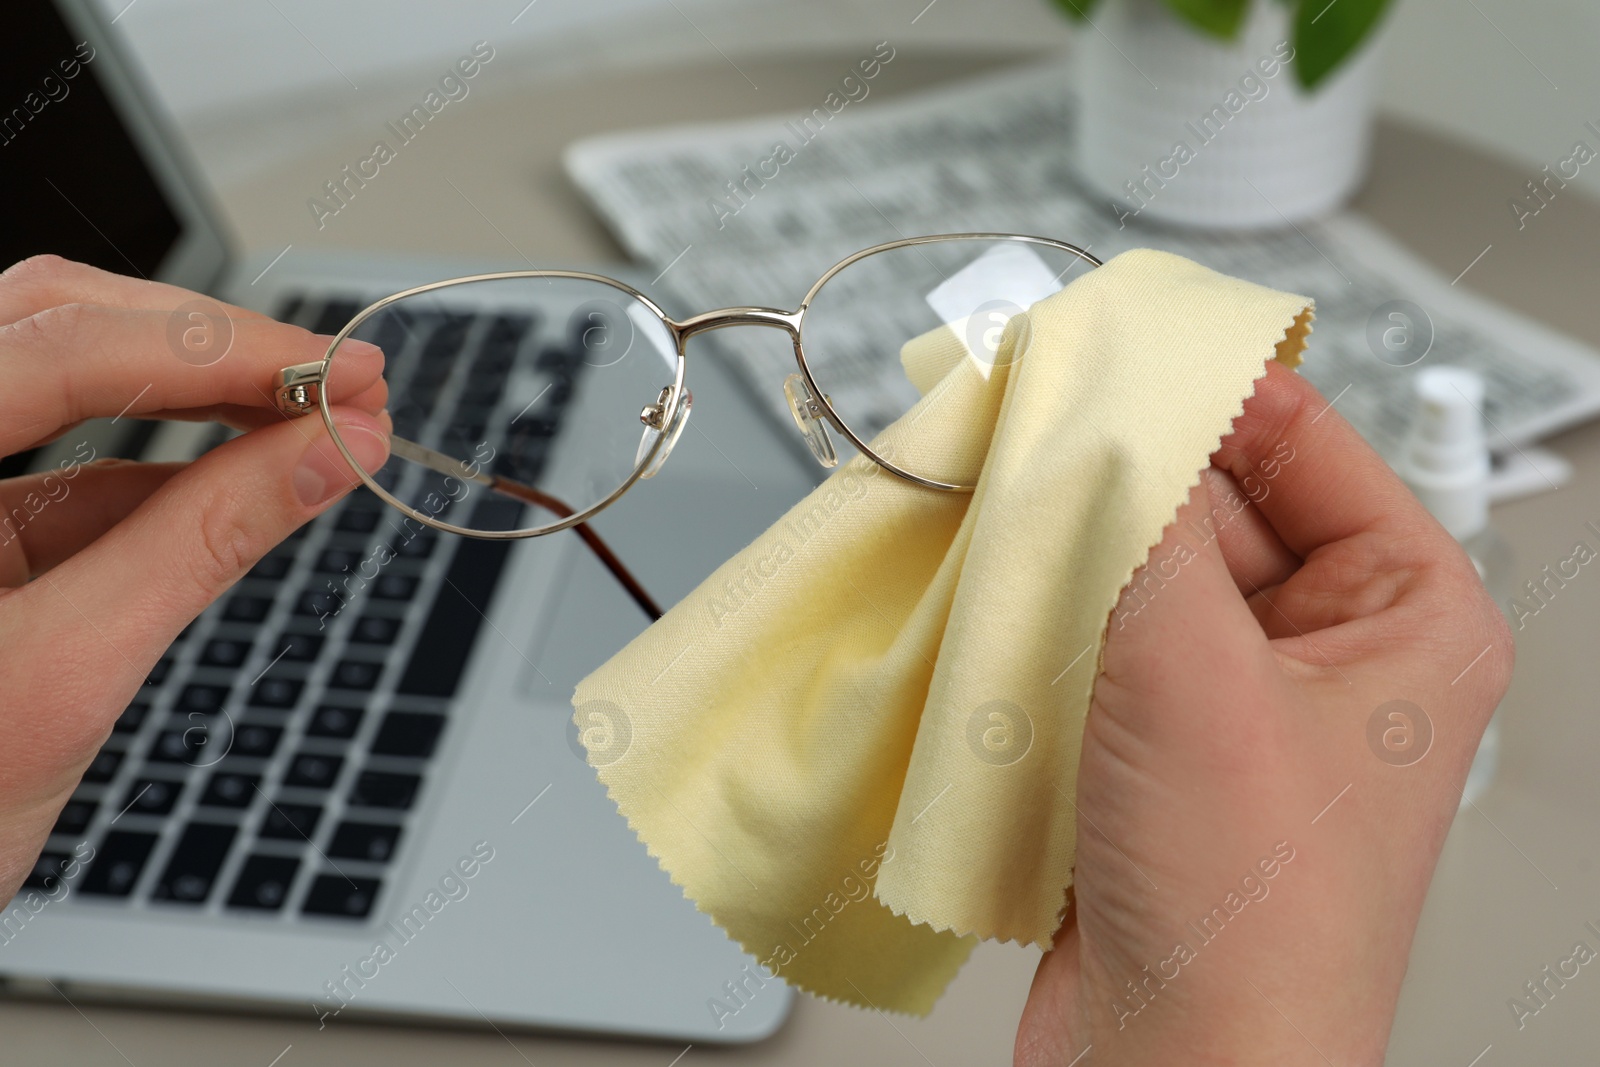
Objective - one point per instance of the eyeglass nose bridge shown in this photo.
(809, 416)
(722, 318)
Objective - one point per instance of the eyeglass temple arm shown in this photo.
(443, 464)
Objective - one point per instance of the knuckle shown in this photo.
(45, 341)
(45, 268)
(64, 318)
(227, 545)
(48, 330)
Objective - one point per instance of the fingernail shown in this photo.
(352, 346)
(323, 471)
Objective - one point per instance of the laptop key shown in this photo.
(229, 789)
(336, 895)
(381, 789)
(505, 331)
(272, 567)
(177, 745)
(309, 770)
(132, 718)
(560, 392)
(428, 376)
(276, 693)
(423, 393)
(256, 739)
(203, 698)
(395, 587)
(159, 672)
(194, 863)
(338, 560)
(223, 652)
(459, 607)
(331, 721)
(355, 674)
(357, 521)
(408, 419)
(117, 864)
(556, 359)
(263, 883)
(47, 870)
(75, 817)
(525, 464)
(298, 648)
(317, 603)
(335, 316)
(408, 733)
(151, 796)
(532, 429)
(438, 354)
(103, 767)
(482, 389)
(291, 822)
(419, 545)
(436, 495)
(242, 607)
(364, 841)
(375, 630)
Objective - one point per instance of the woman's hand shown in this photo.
(103, 562)
(1255, 839)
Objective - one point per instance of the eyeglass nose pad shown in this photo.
(652, 416)
(808, 417)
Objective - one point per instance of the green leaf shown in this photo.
(1220, 18)
(1327, 31)
(1077, 9)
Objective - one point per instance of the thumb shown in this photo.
(108, 613)
(1181, 619)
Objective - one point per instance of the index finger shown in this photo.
(1318, 481)
(39, 282)
(82, 361)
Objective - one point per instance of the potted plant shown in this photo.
(1224, 113)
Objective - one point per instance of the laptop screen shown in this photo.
(72, 180)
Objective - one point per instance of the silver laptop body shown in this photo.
(488, 879)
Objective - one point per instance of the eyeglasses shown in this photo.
(544, 395)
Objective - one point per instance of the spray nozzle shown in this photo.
(1445, 458)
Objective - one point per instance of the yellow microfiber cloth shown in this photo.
(855, 746)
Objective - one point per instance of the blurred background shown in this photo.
(1474, 99)
(1502, 75)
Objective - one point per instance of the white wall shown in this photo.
(208, 54)
(1448, 66)
(1445, 64)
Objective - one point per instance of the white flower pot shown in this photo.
(1179, 127)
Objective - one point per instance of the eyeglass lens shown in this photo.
(538, 380)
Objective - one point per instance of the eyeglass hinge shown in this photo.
(300, 389)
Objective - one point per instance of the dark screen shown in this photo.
(72, 181)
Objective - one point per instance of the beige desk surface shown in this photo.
(1516, 882)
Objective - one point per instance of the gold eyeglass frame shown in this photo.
(300, 390)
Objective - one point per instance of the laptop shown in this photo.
(388, 817)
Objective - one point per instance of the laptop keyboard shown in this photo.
(278, 755)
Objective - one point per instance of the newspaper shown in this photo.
(701, 205)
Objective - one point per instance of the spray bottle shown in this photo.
(1445, 461)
